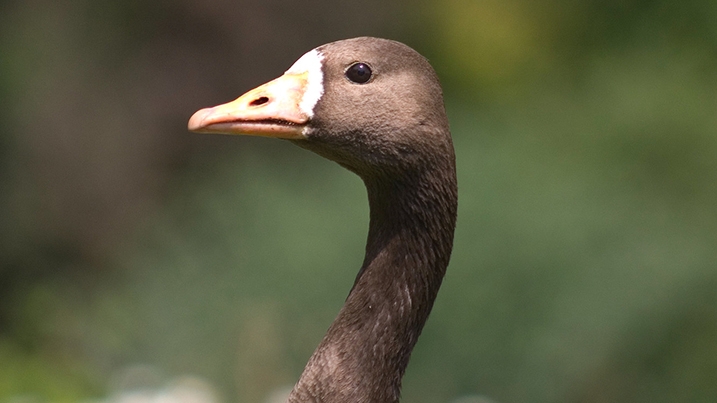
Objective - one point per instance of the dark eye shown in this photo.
(359, 73)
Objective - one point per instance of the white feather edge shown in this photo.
(311, 62)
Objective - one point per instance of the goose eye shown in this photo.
(359, 73)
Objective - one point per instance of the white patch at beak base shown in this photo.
(311, 63)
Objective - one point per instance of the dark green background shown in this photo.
(585, 262)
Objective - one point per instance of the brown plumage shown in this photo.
(384, 120)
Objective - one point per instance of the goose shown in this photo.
(374, 106)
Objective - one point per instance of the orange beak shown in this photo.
(270, 110)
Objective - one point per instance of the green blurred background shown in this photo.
(134, 254)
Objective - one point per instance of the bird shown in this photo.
(374, 106)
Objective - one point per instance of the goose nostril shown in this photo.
(259, 101)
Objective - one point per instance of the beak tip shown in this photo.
(196, 122)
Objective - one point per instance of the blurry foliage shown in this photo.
(584, 264)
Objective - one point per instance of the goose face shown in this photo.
(365, 103)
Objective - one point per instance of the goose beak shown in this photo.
(271, 110)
